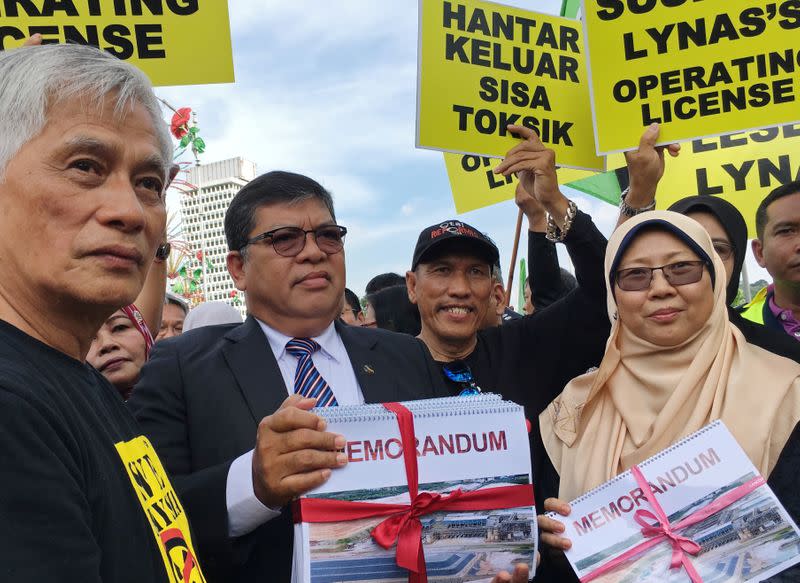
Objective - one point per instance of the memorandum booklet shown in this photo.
(748, 540)
(469, 443)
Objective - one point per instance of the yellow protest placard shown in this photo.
(742, 168)
(483, 66)
(699, 68)
(176, 42)
(163, 509)
(475, 186)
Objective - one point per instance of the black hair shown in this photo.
(394, 311)
(761, 213)
(271, 188)
(568, 281)
(384, 280)
(352, 301)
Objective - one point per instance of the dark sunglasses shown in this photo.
(459, 372)
(290, 241)
(679, 273)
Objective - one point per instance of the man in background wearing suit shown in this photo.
(207, 397)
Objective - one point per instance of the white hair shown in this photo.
(34, 79)
(211, 314)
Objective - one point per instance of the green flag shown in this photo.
(569, 8)
(605, 186)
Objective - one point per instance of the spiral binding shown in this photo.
(441, 407)
(440, 401)
(648, 461)
(331, 412)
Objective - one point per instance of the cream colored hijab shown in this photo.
(645, 397)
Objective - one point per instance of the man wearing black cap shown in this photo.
(527, 360)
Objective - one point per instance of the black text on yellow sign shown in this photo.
(163, 509)
(475, 185)
(698, 67)
(483, 66)
(176, 42)
(742, 168)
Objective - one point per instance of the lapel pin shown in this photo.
(368, 369)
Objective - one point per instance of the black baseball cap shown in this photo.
(441, 235)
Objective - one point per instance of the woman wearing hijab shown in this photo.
(645, 168)
(673, 364)
(728, 231)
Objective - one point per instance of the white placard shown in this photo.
(749, 540)
(467, 444)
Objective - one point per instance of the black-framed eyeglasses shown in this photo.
(290, 241)
(678, 273)
(723, 249)
(459, 372)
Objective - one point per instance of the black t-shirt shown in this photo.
(530, 360)
(69, 510)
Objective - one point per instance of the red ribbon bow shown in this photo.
(405, 529)
(403, 525)
(681, 545)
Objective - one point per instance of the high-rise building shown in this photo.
(203, 215)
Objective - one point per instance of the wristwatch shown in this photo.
(630, 211)
(162, 253)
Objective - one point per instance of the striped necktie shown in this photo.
(307, 380)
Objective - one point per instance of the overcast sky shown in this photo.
(328, 89)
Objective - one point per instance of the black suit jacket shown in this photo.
(200, 399)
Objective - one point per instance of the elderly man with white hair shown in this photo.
(84, 161)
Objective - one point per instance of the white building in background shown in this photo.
(203, 216)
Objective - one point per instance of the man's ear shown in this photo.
(237, 268)
(499, 297)
(758, 252)
(411, 286)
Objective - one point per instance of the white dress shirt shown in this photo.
(245, 511)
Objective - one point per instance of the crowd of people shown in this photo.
(641, 348)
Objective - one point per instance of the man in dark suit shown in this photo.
(208, 397)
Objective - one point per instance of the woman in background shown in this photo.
(391, 309)
(728, 231)
(122, 345)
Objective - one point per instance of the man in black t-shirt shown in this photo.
(84, 162)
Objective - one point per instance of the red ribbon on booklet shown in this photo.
(662, 529)
(402, 525)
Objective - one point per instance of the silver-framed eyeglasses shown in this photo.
(290, 241)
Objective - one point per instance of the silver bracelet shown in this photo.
(554, 233)
(630, 211)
